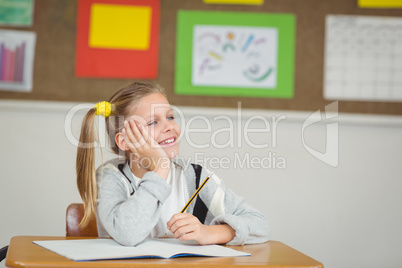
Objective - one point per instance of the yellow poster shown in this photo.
(380, 3)
(120, 26)
(235, 2)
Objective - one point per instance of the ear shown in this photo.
(121, 141)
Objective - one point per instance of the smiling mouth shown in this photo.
(168, 141)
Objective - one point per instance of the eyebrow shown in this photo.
(151, 117)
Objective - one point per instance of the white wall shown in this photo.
(344, 216)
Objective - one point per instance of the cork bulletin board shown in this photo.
(54, 68)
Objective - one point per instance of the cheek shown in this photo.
(153, 132)
(177, 130)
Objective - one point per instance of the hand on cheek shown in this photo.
(145, 148)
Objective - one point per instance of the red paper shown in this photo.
(116, 63)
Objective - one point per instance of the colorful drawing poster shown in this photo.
(235, 54)
(250, 60)
(16, 12)
(118, 38)
(380, 3)
(235, 2)
(17, 49)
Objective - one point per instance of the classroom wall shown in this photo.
(344, 216)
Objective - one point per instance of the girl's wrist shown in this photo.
(220, 234)
(163, 168)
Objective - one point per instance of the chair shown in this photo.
(74, 215)
(3, 253)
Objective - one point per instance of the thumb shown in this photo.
(147, 136)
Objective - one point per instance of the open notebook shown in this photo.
(106, 249)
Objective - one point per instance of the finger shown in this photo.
(131, 143)
(128, 133)
(189, 236)
(185, 222)
(179, 224)
(126, 141)
(142, 132)
(134, 128)
(176, 217)
(184, 230)
(133, 135)
(173, 219)
(147, 136)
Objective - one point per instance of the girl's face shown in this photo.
(155, 114)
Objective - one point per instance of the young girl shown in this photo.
(142, 196)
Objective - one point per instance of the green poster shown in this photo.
(235, 54)
(16, 12)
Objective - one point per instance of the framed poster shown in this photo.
(16, 12)
(117, 38)
(235, 2)
(17, 52)
(235, 54)
(368, 66)
(380, 3)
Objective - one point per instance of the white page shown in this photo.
(101, 249)
(363, 58)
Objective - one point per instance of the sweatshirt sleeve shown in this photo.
(250, 224)
(130, 219)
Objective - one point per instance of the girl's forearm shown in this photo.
(220, 234)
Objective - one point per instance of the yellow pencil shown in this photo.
(196, 192)
(194, 196)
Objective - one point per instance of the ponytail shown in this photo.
(117, 107)
(85, 167)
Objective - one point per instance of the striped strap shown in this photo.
(200, 209)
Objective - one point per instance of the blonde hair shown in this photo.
(121, 102)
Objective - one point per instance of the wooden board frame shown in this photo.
(54, 78)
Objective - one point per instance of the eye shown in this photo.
(170, 118)
(152, 123)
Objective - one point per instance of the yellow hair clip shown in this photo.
(103, 108)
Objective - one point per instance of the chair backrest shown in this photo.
(74, 215)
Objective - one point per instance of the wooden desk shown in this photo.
(23, 253)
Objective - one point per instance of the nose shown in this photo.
(168, 126)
